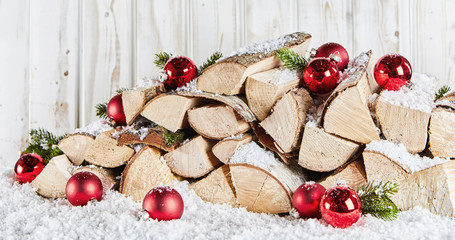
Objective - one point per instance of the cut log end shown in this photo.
(224, 149)
(442, 132)
(134, 100)
(51, 182)
(75, 146)
(353, 175)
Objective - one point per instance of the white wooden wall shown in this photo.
(58, 59)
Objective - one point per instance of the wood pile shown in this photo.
(218, 122)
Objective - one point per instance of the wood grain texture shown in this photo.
(14, 77)
(54, 65)
(107, 52)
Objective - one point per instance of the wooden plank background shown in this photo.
(58, 59)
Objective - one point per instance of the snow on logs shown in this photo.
(225, 148)
(51, 182)
(346, 111)
(403, 115)
(424, 182)
(228, 75)
(144, 172)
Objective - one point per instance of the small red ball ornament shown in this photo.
(306, 199)
(83, 187)
(327, 49)
(115, 110)
(28, 167)
(341, 206)
(392, 71)
(163, 203)
(179, 71)
(321, 75)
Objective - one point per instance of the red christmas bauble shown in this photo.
(321, 75)
(392, 71)
(306, 199)
(115, 110)
(341, 206)
(28, 167)
(83, 187)
(163, 203)
(179, 71)
(325, 50)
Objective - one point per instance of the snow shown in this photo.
(252, 154)
(398, 153)
(189, 87)
(281, 77)
(353, 66)
(418, 95)
(95, 128)
(25, 215)
(234, 137)
(148, 82)
(265, 46)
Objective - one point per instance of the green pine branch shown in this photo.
(211, 60)
(442, 91)
(172, 137)
(161, 59)
(291, 59)
(101, 111)
(44, 143)
(375, 198)
(121, 90)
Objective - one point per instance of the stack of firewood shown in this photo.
(238, 103)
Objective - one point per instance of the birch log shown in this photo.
(228, 75)
(156, 136)
(51, 182)
(107, 176)
(352, 175)
(75, 146)
(224, 149)
(442, 132)
(134, 100)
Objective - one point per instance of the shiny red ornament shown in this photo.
(115, 110)
(179, 71)
(341, 206)
(163, 203)
(325, 50)
(392, 71)
(321, 75)
(83, 187)
(28, 167)
(306, 199)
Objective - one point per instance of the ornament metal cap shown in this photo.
(313, 52)
(335, 58)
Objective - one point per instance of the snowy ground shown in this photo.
(25, 215)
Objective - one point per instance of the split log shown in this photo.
(267, 141)
(346, 112)
(108, 177)
(323, 152)
(432, 188)
(216, 187)
(105, 152)
(75, 146)
(217, 121)
(235, 102)
(353, 175)
(144, 172)
(224, 149)
(193, 159)
(228, 75)
(135, 99)
(403, 125)
(51, 182)
(169, 110)
(262, 92)
(157, 136)
(285, 123)
(442, 133)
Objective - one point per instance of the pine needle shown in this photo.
(44, 143)
(120, 90)
(291, 59)
(161, 59)
(101, 111)
(442, 91)
(211, 60)
(375, 198)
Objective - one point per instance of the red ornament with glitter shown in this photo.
(28, 167)
(163, 203)
(83, 187)
(341, 206)
(392, 71)
(306, 199)
(179, 71)
(115, 110)
(327, 49)
(321, 75)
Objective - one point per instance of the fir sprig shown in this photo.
(375, 198)
(101, 111)
(211, 60)
(121, 90)
(161, 59)
(172, 137)
(442, 91)
(291, 59)
(44, 143)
